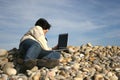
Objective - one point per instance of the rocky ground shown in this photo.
(86, 62)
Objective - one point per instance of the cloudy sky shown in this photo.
(94, 21)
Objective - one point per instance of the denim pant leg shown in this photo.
(30, 49)
(49, 54)
(53, 55)
(33, 52)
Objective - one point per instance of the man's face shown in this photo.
(45, 31)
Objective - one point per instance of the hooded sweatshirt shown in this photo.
(36, 33)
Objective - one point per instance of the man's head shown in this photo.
(44, 24)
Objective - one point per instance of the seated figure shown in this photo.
(34, 49)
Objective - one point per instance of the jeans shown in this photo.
(30, 49)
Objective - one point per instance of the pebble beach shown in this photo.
(85, 62)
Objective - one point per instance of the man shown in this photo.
(34, 49)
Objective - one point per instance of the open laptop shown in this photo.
(62, 42)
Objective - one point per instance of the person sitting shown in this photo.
(34, 49)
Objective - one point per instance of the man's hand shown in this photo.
(55, 47)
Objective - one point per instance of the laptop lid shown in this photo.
(62, 41)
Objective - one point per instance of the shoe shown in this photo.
(48, 63)
(19, 60)
(30, 63)
(27, 65)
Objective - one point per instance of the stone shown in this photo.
(99, 77)
(77, 78)
(71, 49)
(9, 69)
(36, 76)
(3, 53)
(3, 77)
(112, 76)
(89, 45)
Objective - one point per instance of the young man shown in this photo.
(34, 49)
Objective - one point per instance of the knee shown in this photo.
(57, 55)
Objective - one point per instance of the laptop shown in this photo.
(62, 42)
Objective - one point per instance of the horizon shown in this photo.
(86, 21)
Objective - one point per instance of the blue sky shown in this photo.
(94, 21)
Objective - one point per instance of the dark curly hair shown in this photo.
(43, 23)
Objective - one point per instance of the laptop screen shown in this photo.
(62, 41)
